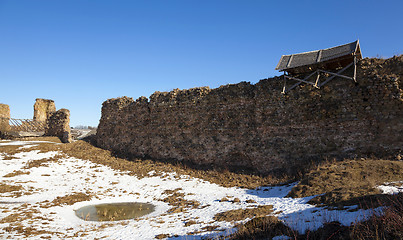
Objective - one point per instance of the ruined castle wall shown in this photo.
(4, 118)
(43, 108)
(256, 127)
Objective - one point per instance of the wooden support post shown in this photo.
(355, 68)
(317, 80)
(285, 82)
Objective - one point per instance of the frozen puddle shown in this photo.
(114, 211)
(179, 205)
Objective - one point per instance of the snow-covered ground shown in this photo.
(391, 187)
(70, 175)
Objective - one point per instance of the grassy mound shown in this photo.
(347, 182)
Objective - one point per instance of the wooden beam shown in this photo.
(337, 75)
(340, 71)
(294, 86)
(301, 80)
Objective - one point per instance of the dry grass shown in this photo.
(49, 139)
(260, 228)
(20, 216)
(387, 226)
(241, 214)
(176, 200)
(141, 167)
(42, 162)
(28, 231)
(342, 182)
(25, 213)
(9, 188)
(162, 236)
(9, 150)
(16, 173)
(68, 199)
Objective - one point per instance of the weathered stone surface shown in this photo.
(59, 125)
(43, 108)
(256, 127)
(4, 118)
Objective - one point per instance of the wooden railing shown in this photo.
(26, 125)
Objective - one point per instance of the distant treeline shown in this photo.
(84, 127)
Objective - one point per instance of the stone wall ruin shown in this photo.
(56, 123)
(43, 109)
(246, 126)
(4, 118)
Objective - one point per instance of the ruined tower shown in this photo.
(43, 108)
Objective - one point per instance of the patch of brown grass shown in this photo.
(20, 216)
(9, 150)
(241, 214)
(386, 226)
(16, 173)
(68, 199)
(42, 162)
(27, 231)
(176, 200)
(389, 225)
(48, 139)
(9, 188)
(162, 236)
(190, 223)
(259, 228)
(341, 182)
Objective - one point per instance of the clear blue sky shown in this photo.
(81, 53)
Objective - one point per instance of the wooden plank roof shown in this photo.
(322, 57)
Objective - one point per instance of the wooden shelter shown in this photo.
(330, 62)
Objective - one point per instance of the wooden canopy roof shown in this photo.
(330, 59)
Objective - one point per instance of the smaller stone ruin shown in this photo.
(58, 124)
(46, 121)
(43, 109)
(4, 118)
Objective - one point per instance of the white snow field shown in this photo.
(70, 175)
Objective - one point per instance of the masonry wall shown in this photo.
(256, 127)
(43, 108)
(58, 124)
(4, 118)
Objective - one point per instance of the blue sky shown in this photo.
(81, 53)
